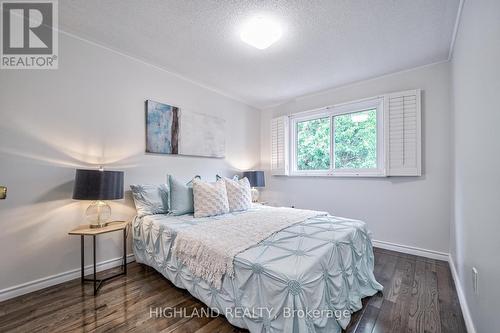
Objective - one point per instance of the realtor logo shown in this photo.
(29, 35)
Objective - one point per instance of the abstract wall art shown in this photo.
(162, 128)
(170, 131)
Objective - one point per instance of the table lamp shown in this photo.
(256, 179)
(98, 185)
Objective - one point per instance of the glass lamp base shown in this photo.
(98, 213)
(255, 194)
(97, 226)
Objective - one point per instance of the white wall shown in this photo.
(413, 211)
(476, 229)
(90, 112)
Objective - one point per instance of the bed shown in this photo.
(308, 277)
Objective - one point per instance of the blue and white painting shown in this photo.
(162, 128)
(170, 131)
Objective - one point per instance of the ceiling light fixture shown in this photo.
(260, 32)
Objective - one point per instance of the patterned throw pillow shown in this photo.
(150, 199)
(209, 198)
(239, 194)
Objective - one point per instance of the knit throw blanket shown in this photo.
(208, 249)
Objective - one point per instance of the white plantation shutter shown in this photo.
(403, 133)
(279, 145)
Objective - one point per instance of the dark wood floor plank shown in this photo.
(368, 320)
(176, 321)
(378, 250)
(356, 316)
(418, 300)
(384, 320)
(401, 280)
(385, 266)
(419, 296)
(399, 295)
(424, 308)
(212, 327)
(450, 312)
(433, 319)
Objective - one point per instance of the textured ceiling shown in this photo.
(326, 43)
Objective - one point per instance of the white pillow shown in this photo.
(239, 194)
(209, 198)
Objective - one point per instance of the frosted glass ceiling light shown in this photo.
(260, 32)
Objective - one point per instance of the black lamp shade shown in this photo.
(256, 178)
(98, 185)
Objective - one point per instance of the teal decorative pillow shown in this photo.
(181, 197)
(150, 199)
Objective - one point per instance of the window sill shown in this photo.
(341, 175)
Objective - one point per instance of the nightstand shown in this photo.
(85, 230)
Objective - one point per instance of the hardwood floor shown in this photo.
(419, 296)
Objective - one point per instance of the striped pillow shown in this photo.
(239, 194)
(209, 198)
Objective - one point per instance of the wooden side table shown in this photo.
(85, 230)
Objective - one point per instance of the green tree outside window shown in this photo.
(313, 144)
(355, 140)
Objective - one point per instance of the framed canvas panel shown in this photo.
(162, 128)
(202, 135)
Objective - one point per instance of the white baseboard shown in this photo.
(411, 250)
(461, 297)
(48, 281)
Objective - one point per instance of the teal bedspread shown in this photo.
(308, 277)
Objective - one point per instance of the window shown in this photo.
(356, 140)
(313, 144)
(345, 140)
(378, 136)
